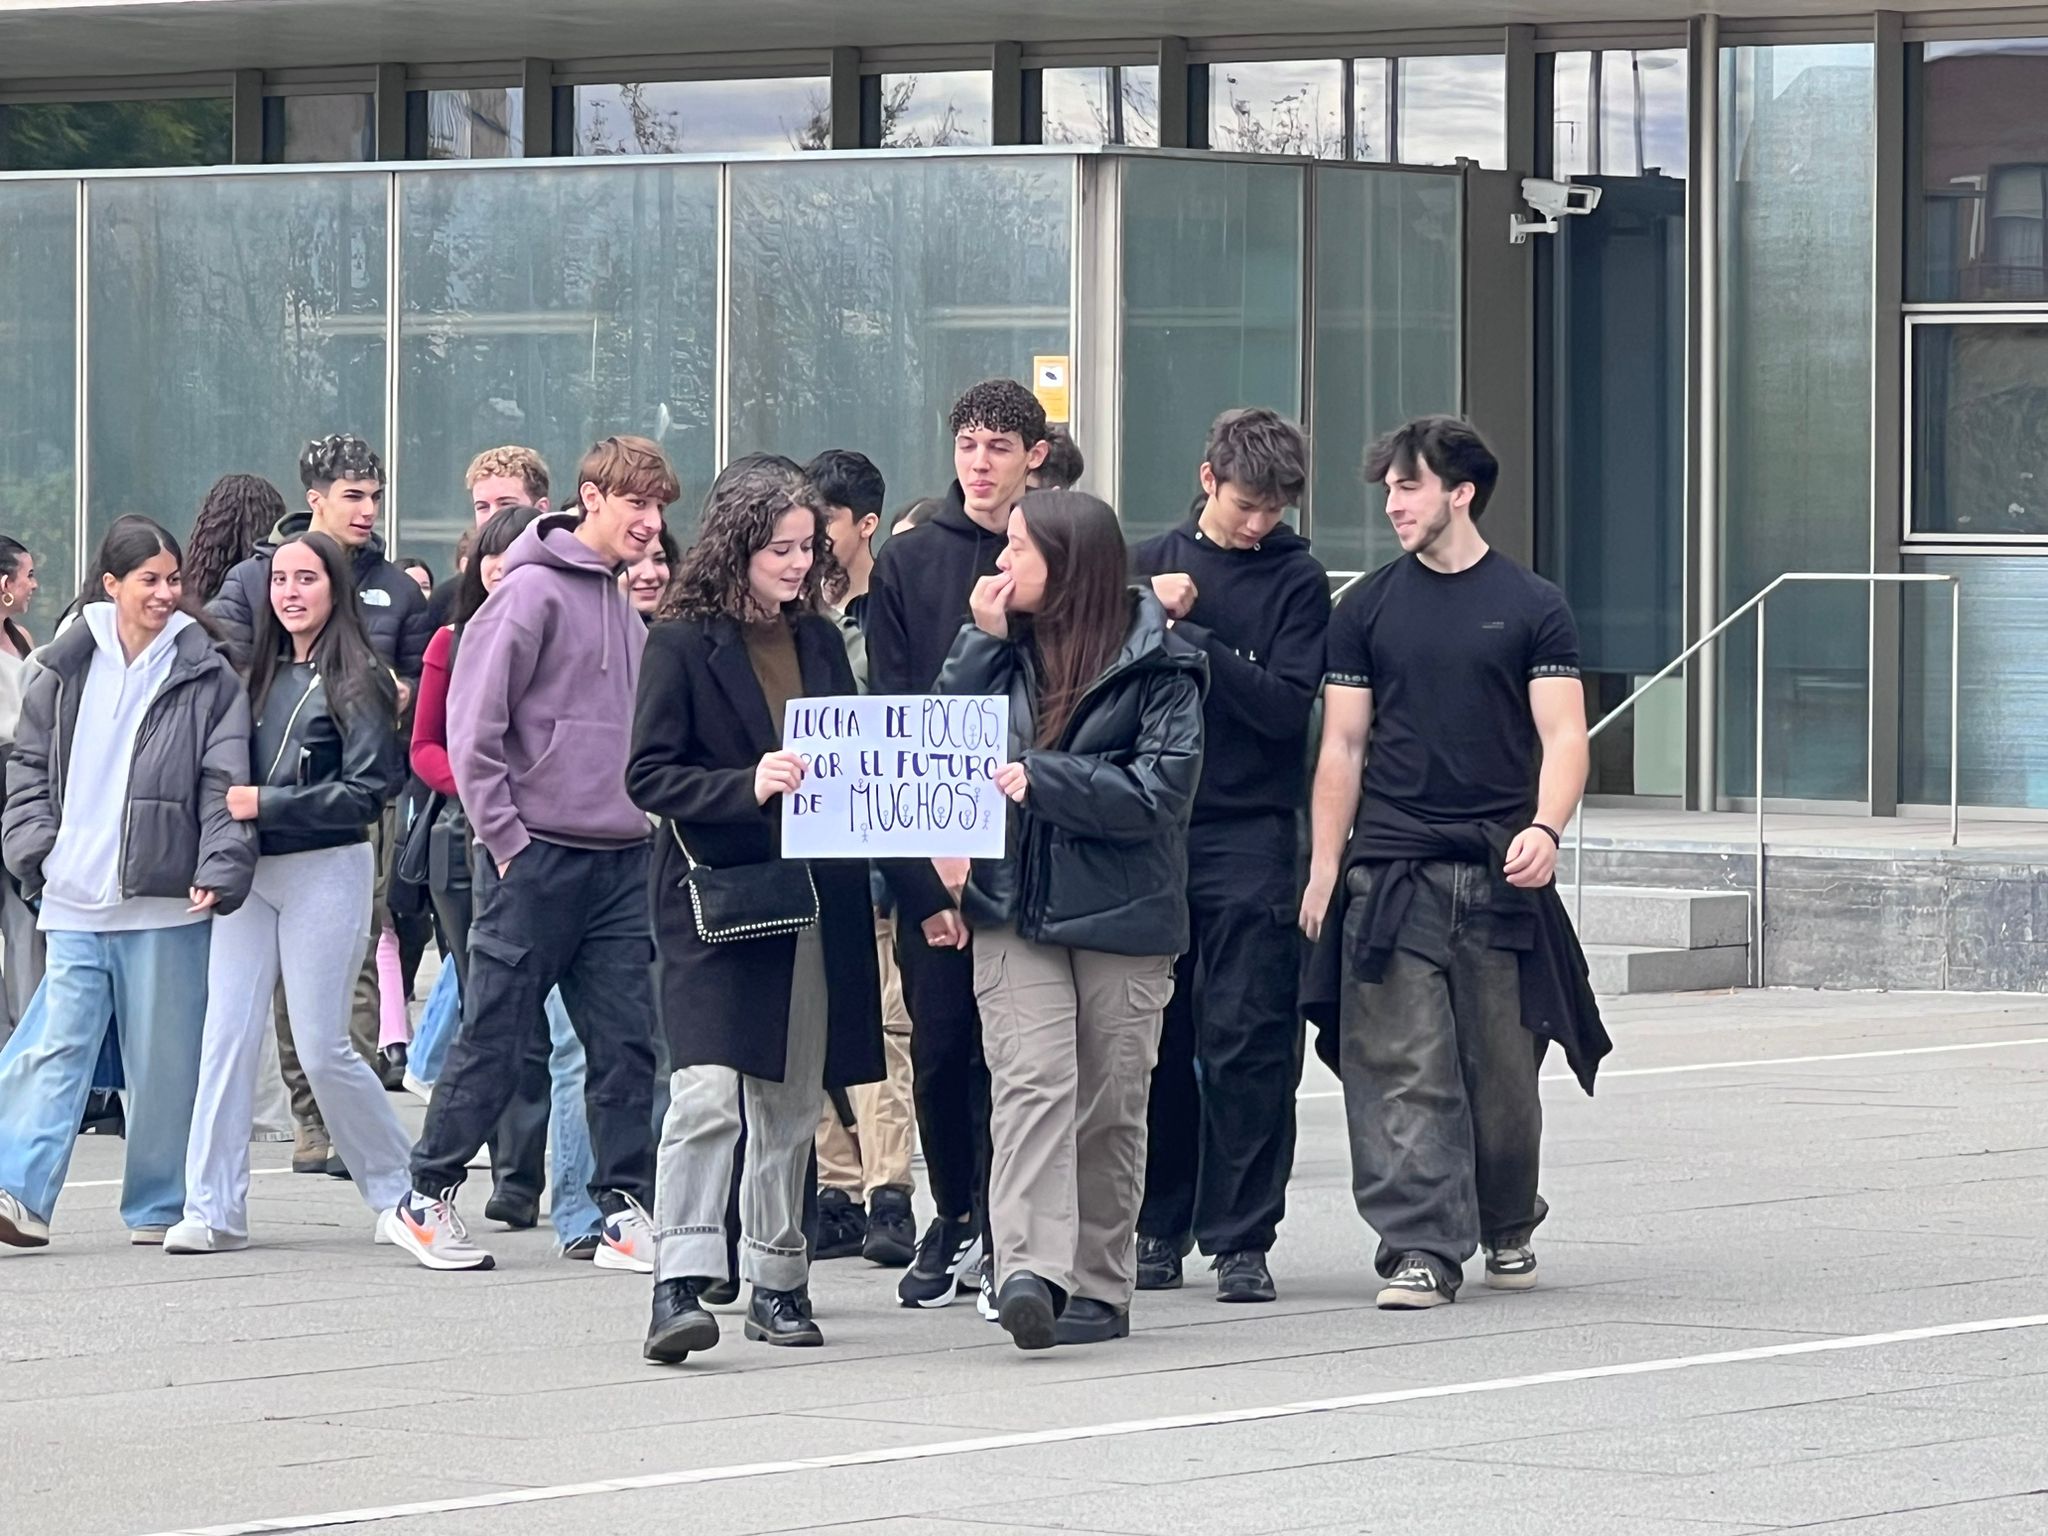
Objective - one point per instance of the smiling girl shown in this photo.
(325, 759)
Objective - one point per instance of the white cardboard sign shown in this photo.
(896, 777)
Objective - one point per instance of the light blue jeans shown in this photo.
(571, 1163)
(153, 982)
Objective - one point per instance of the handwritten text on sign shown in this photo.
(896, 777)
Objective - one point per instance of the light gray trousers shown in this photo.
(702, 1131)
(307, 918)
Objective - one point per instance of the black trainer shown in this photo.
(1026, 1309)
(892, 1233)
(1158, 1264)
(779, 1317)
(949, 1252)
(680, 1322)
(720, 1293)
(1415, 1286)
(842, 1225)
(517, 1211)
(584, 1247)
(1091, 1322)
(1243, 1277)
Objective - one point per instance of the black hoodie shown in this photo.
(1260, 615)
(393, 607)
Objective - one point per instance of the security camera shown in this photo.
(1553, 200)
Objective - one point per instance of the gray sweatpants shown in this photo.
(308, 917)
(702, 1129)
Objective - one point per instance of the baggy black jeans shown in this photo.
(1440, 1077)
(1220, 1146)
(576, 918)
(948, 1072)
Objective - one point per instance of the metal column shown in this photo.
(1703, 437)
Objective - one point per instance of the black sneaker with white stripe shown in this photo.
(946, 1260)
(1414, 1286)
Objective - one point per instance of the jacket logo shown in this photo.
(375, 598)
(1496, 624)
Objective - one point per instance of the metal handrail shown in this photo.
(1756, 605)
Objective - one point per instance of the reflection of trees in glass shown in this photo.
(1279, 112)
(1116, 106)
(37, 236)
(661, 117)
(631, 125)
(246, 315)
(116, 135)
(866, 294)
(598, 317)
(898, 96)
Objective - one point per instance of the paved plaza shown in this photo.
(1793, 1280)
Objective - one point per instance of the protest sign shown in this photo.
(896, 777)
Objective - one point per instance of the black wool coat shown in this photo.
(700, 725)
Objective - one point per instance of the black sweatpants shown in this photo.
(570, 917)
(949, 1074)
(1220, 1125)
(519, 1141)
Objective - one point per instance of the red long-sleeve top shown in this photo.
(430, 717)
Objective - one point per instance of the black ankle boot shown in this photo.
(1027, 1306)
(781, 1317)
(680, 1322)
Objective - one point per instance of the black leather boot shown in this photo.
(781, 1317)
(680, 1322)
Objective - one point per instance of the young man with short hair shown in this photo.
(917, 602)
(1063, 464)
(1446, 961)
(497, 478)
(865, 1137)
(1242, 585)
(540, 720)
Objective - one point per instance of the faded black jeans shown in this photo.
(1440, 1078)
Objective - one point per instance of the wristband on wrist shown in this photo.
(1549, 832)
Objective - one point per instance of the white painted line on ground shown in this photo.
(1767, 1061)
(117, 1183)
(1037, 1437)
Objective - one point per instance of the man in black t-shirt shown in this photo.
(1463, 668)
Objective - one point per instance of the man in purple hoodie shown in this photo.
(540, 719)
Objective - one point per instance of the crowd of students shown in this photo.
(245, 783)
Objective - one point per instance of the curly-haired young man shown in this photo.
(917, 601)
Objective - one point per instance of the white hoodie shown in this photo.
(82, 874)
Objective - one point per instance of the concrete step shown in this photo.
(1621, 969)
(1648, 917)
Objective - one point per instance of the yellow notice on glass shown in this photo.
(1052, 382)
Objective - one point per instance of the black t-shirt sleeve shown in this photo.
(1347, 648)
(1554, 638)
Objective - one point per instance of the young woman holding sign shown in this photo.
(769, 992)
(1076, 930)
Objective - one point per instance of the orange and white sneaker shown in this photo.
(433, 1233)
(627, 1240)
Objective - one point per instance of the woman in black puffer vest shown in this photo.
(1077, 929)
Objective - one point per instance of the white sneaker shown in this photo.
(422, 1091)
(627, 1241)
(147, 1237)
(432, 1232)
(19, 1226)
(190, 1236)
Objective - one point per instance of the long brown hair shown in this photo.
(1086, 613)
(746, 501)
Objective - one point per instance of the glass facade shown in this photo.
(866, 297)
(1980, 429)
(670, 117)
(38, 273)
(314, 130)
(1115, 105)
(938, 110)
(550, 307)
(1451, 108)
(1797, 157)
(1278, 108)
(1212, 276)
(2003, 745)
(1618, 113)
(1980, 152)
(116, 135)
(1387, 331)
(232, 318)
(482, 124)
